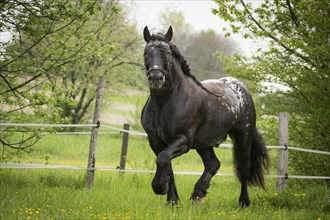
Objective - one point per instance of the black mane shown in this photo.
(184, 64)
(186, 69)
(158, 36)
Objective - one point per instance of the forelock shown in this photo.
(158, 36)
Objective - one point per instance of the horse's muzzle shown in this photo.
(156, 79)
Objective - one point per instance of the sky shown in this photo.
(196, 12)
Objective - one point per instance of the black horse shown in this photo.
(182, 113)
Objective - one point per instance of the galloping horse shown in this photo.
(182, 113)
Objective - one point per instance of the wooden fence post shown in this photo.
(93, 141)
(283, 156)
(124, 147)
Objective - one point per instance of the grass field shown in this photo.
(61, 193)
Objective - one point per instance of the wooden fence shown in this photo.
(283, 156)
(282, 172)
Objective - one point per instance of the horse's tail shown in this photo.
(259, 161)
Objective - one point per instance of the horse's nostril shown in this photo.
(155, 79)
(155, 76)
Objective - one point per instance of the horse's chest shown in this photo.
(166, 123)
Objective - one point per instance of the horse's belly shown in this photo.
(211, 142)
(211, 135)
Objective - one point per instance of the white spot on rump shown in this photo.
(218, 82)
(236, 86)
(211, 81)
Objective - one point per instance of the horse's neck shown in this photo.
(159, 98)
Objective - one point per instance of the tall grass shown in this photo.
(61, 194)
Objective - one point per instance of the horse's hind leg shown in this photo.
(211, 166)
(242, 146)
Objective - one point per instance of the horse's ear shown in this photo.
(169, 35)
(146, 34)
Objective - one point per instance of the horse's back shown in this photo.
(232, 89)
(239, 99)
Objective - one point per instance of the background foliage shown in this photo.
(50, 66)
(198, 48)
(297, 55)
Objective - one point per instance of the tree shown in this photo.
(118, 54)
(176, 19)
(198, 48)
(201, 51)
(47, 37)
(298, 56)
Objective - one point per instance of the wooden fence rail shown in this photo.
(283, 136)
(282, 172)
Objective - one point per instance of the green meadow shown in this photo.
(62, 194)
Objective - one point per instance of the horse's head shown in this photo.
(157, 57)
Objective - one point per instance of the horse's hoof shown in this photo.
(201, 200)
(160, 189)
(244, 203)
(172, 203)
(198, 200)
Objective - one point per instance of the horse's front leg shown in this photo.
(163, 181)
(172, 194)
